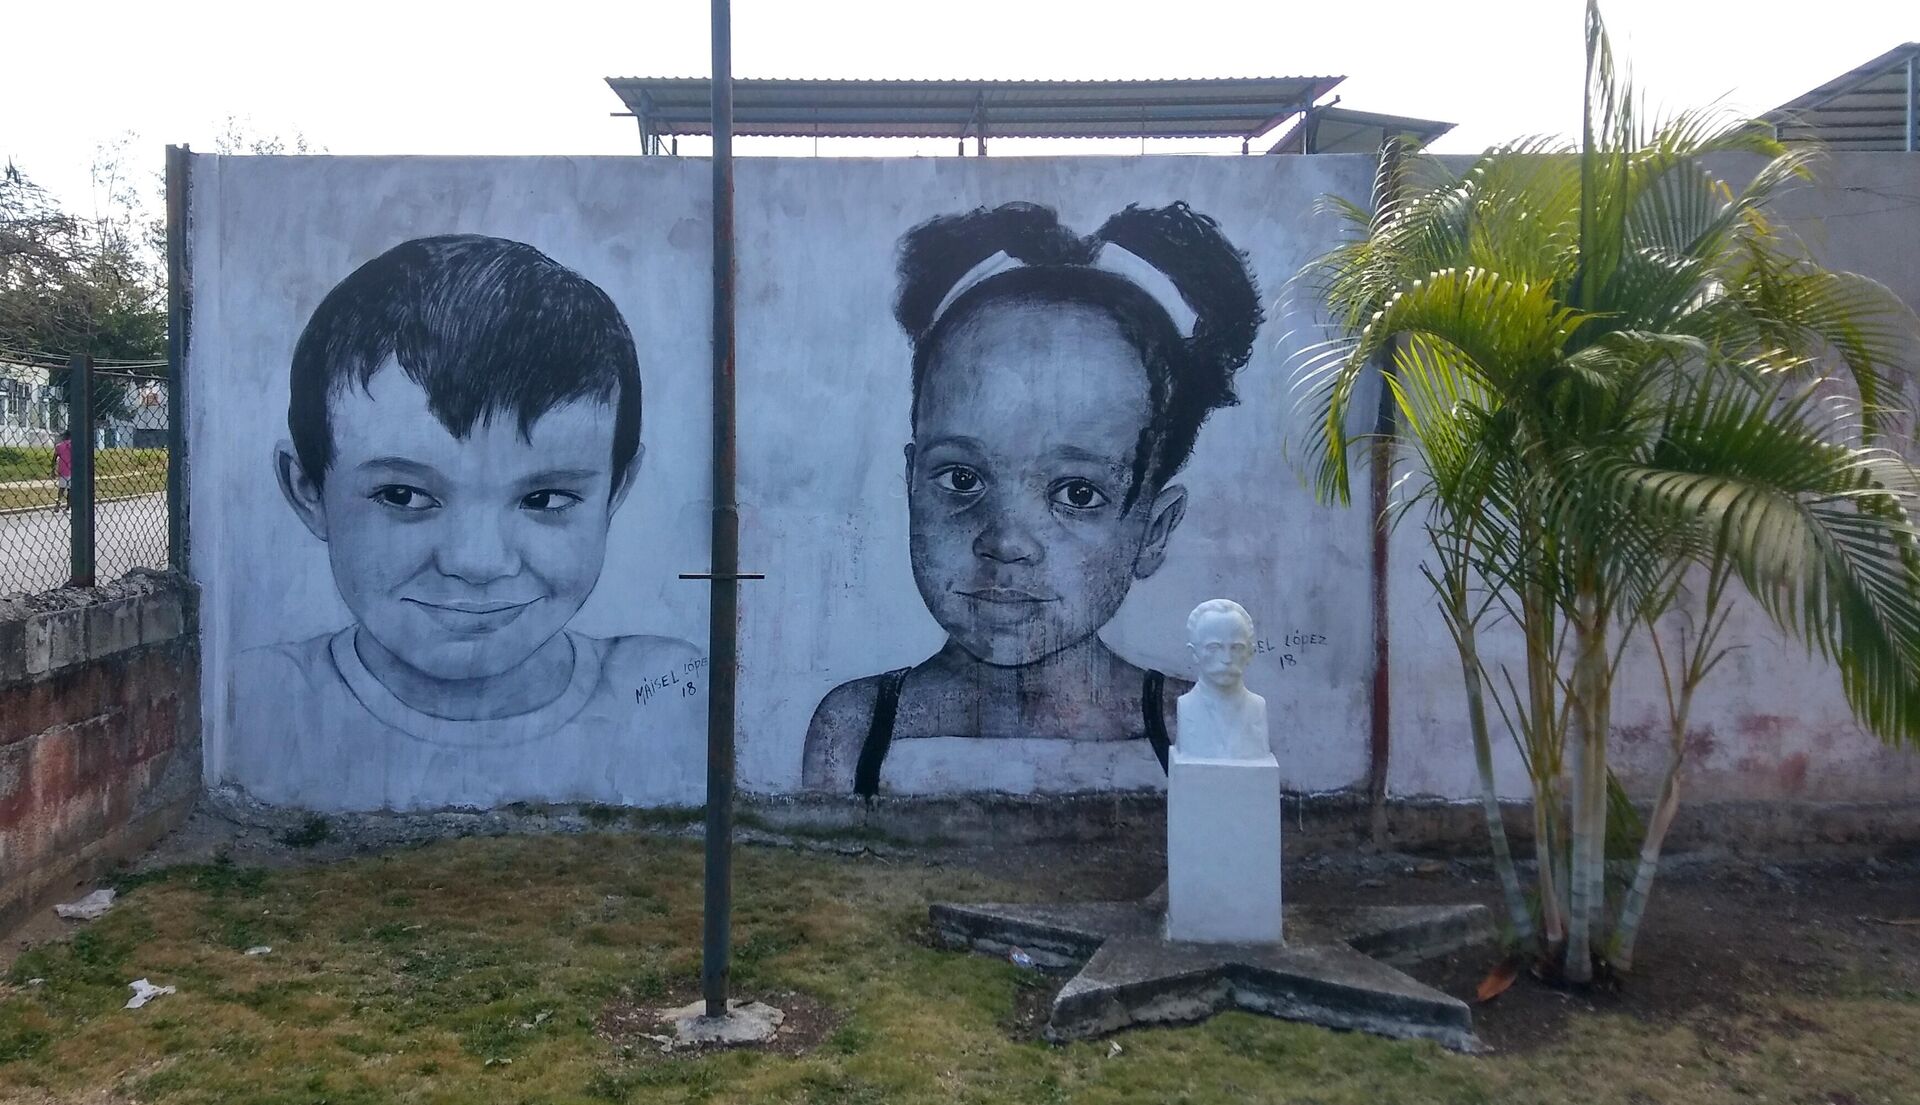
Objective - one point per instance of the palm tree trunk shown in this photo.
(1694, 664)
(1543, 763)
(1587, 893)
(1663, 811)
(1546, 854)
(1517, 912)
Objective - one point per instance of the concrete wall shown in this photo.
(1770, 724)
(99, 730)
(824, 416)
(824, 385)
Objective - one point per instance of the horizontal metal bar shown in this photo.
(1251, 105)
(1893, 122)
(953, 112)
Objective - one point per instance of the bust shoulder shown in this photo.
(1223, 727)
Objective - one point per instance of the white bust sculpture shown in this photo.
(1220, 719)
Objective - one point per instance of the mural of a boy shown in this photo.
(465, 420)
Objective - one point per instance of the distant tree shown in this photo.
(77, 285)
(238, 136)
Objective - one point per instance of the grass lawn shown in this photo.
(25, 462)
(35, 462)
(118, 474)
(475, 971)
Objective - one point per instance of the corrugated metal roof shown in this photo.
(1235, 107)
(1341, 130)
(1874, 107)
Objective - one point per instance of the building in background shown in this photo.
(1873, 107)
(32, 411)
(1248, 110)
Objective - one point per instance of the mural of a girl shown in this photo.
(1059, 384)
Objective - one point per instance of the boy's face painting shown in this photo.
(1028, 419)
(461, 557)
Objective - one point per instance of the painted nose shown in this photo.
(1007, 541)
(477, 551)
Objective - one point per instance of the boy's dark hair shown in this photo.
(485, 326)
(1188, 377)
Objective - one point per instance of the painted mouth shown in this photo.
(472, 617)
(1005, 596)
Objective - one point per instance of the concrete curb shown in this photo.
(12, 512)
(1337, 968)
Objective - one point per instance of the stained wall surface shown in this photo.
(99, 731)
(1771, 722)
(400, 632)
(391, 665)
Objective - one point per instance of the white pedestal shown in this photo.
(1223, 850)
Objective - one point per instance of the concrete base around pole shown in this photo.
(1223, 850)
(1335, 972)
(752, 1023)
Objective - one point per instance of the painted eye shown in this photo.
(958, 478)
(398, 496)
(1078, 494)
(549, 500)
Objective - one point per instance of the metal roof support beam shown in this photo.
(1913, 102)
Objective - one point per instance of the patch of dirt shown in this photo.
(1033, 1005)
(1726, 948)
(636, 1030)
(1079, 872)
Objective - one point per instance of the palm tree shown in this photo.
(1615, 379)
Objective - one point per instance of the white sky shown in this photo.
(526, 77)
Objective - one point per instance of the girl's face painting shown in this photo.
(1028, 418)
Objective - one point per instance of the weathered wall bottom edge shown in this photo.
(1314, 823)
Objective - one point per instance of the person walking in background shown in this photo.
(62, 470)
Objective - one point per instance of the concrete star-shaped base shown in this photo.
(1334, 969)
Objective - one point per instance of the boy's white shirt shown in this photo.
(320, 732)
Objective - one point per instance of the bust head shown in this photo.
(1220, 640)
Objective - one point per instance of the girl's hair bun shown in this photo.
(1189, 376)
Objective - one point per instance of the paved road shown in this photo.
(128, 533)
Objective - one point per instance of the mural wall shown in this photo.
(996, 595)
(1003, 423)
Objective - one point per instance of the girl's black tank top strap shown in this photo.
(886, 704)
(873, 753)
(1154, 715)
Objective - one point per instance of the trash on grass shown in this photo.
(259, 949)
(89, 908)
(144, 992)
(1114, 1049)
(1020, 958)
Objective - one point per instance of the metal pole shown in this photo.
(177, 314)
(80, 496)
(723, 627)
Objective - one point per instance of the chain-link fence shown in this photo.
(38, 470)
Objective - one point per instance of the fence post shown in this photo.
(80, 495)
(178, 307)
